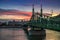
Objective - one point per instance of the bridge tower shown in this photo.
(33, 12)
(41, 11)
(51, 12)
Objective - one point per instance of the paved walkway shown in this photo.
(9, 34)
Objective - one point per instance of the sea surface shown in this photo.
(19, 34)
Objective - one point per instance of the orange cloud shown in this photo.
(15, 15)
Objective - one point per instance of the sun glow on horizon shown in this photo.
(14, 17)
(54, 14)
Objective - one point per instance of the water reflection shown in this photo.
(12, 34)
(37, 35)
(18, 34)
(52, 35)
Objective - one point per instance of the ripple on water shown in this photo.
(9, 34)
(52, 35)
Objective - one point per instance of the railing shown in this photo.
(45, 23)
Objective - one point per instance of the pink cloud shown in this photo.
(16, 13)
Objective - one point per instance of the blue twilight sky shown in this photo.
(26, 5)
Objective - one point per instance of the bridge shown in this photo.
(38, 20)
(45, 23)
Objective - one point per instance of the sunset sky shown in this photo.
(21, 9)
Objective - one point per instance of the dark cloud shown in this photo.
(14, 12)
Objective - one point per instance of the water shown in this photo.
(19, 34)
(52, 35)
(12, 34)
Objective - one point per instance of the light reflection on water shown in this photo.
(52, 35)
(18, 34)
(12, 34)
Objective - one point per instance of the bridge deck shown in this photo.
(55, 27)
